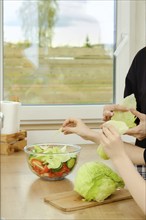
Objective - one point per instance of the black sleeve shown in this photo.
(144, 155)
(130, 80)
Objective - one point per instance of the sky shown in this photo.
(77, 19)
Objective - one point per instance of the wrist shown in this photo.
(94, 137)
(119, 159)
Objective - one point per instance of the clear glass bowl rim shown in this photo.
(76, 148)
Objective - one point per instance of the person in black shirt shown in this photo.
(135, 83)
(123, 154)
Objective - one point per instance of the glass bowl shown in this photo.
(52, 161)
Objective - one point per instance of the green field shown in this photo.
(59, 75)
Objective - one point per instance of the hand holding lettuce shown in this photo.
(122, 121)
(127, 117)
(120, 126)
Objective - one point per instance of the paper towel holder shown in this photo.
(10, 117)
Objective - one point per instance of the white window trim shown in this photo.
(131, 22)
(128, 12)
(1, 53)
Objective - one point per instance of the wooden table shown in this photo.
(22, 194)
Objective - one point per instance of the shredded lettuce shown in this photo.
(96, 181)
(54, 156)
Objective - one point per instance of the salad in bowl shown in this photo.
(52, 161)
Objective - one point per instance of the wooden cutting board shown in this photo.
(72, 201)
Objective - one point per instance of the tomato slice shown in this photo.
(63, 170)
(37, 165)
(35, 162)
(45, 170)
(40, 169)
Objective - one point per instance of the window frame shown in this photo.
(52, 114)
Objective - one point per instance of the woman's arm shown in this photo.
(77, 126)
(135, 153)
(115, 149)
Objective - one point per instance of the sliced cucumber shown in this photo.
(57, 169)
(71, 163)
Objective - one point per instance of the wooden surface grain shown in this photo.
(72, 201)
(23, 193)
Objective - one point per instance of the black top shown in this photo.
(144, 155)
(135, 82)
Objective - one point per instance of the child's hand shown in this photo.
(77, 126)
(111, 141)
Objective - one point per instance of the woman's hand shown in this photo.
(108, 111)
(77, 126)
(139, 131)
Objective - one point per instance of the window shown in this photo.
(63, 65)
(63, 54)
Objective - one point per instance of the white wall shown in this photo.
(132, 23)
(138, 27)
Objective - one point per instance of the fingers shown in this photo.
(107, 115)
(67, 131)
(110, 132)
(109, 135)
(108, 111)
(70, 126)
(115, 107)
(139, 115)
(136, 132)
(111, 127)
(106, 137)
(69, 122)
(103, 139)
(131, 131)
(121, 108)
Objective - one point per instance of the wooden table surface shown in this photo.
(22, 194)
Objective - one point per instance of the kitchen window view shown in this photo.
(59, 51)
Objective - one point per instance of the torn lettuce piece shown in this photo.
(120, 126)
(127, 117)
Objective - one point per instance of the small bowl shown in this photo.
(52, 161)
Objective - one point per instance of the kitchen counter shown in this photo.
(22, 194)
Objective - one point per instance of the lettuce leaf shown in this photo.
(127, 117)
(122, 121)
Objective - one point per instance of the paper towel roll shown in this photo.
(11, 120)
